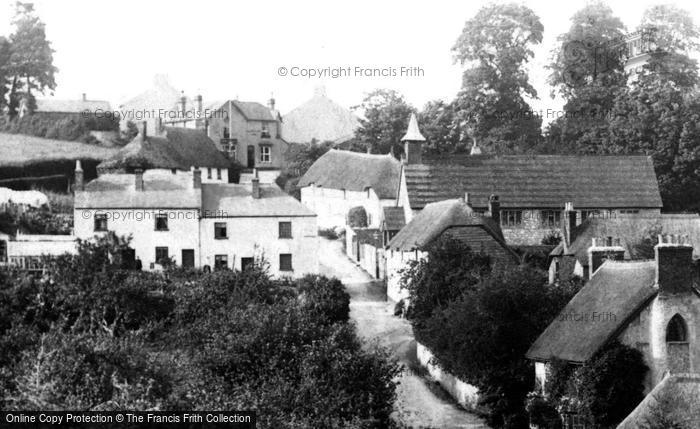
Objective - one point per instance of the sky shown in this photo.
(251, 50)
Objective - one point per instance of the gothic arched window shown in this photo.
(676, 330)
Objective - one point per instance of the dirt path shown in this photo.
(419, 404)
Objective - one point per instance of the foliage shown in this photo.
(441, 126)
(497, 44)
(29, 65)
(434, 282)
(357, 217)
(610, 384)
(90, 335)
(483, 335)
(552, 239)
(298, 159)
(386, 114)
(329, 233)
(67, 127)
(542, 413)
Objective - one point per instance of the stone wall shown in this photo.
(464, 393)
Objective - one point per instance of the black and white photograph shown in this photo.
(350, 215)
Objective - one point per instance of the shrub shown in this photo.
(325, 297)
(328, 233)
(357, 217)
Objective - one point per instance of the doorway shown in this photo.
(251, 156)
(188, 258)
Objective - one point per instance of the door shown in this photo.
(251, 156)
(128, 258)
(188, 258)
(246, 263)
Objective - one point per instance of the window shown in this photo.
(285, 230)
(218, 174)
(265, 154)
(100, 222)
(247, 263)
(226, 133)
(162, 222)
(265, 130)
(676, 330)
(220, 262)
(585, 214)
(512, 218)
(220, 230)
(173, 170)
(209, 173)
(3, 250)
(161, 254)
(551, 218)
(286, 262)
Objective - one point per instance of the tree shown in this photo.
(386, 116)
(587, 70)
(497, 44)
(30, 63)
(442, 129)
(357, 217)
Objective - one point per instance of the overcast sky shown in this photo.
(224, 49)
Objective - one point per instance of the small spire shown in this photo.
(413, 133)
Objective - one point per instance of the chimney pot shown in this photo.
(467, 199)
(495, 209)
(255, 185)
(84, 96)
(79, 177)
(142, 131)
(138, 179)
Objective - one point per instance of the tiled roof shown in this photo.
(615, 293)
(71, 106)
(630, 229)
(319, 118)
(178, 148)
(355, 171)
(394, 218)
(536, 181)
(233, 200)
(160, 191)
(254, 111)
(435, 218)
(676, 398)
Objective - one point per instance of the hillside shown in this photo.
(19, 149)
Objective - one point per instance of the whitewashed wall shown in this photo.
(332, 205)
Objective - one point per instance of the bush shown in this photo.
(357, 217)
(324, 297)
(328, 233)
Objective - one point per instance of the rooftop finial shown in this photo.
(413, 133)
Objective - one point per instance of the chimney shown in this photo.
(674, 264)
(569, 223)
(413, 141)
(138, 179)
(271, 102)
(142, 131)
(196, 178)
(467, 199)
(255, 182)
(602, 250)
(183, 103)
(369, 150)
(84, 96)
(199, 104)
(158, 125)
(79, 177)
(495, 209)
(476, 150)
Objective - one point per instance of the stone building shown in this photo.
(532, 188)
(452, 218)
(632, 233)
(651, 305)
(250, 133)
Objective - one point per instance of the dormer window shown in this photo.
(265, 130)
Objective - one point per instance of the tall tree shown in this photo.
(442, 129)
(496, 44)
(4, 59)
(386, 114)
(30, 64)
(587, 69)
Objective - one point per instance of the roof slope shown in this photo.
(233, 200)
(71, 106)
(394, 218)
(319, 118)
(19, 149)
(179, 148)
(162, 95)
(630, 229)
(676, 397)
(537, 181)
(355, 171)
(614, 294)
(160, 191)
(435, 218)
(254, 111)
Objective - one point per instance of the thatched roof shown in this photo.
(319, 118)
(617, 291)
(355, 171)
(52, 105)
(676, 399)
(176, 148)
(536, 181)
(435, 218)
